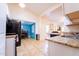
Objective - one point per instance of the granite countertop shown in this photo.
(66, 41)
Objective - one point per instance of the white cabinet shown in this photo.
(10, 45)
(71, 7)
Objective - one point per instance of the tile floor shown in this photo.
(45, 48)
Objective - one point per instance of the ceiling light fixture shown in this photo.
(22, 5)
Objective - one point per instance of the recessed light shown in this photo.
(22, 5)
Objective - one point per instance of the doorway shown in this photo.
(28, 30)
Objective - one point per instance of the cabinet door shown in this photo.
(10, 47)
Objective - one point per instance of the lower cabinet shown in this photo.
(10, 46)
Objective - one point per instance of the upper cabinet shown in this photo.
(74, 18)
(71, 7)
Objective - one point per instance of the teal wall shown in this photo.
(32, 31)
(30, 28)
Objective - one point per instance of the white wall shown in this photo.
(44, 21)
(74, 28)
(3, 13)
(56, 15)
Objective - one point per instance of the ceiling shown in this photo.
(36, 8)
(39, 8)
(52, 11)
